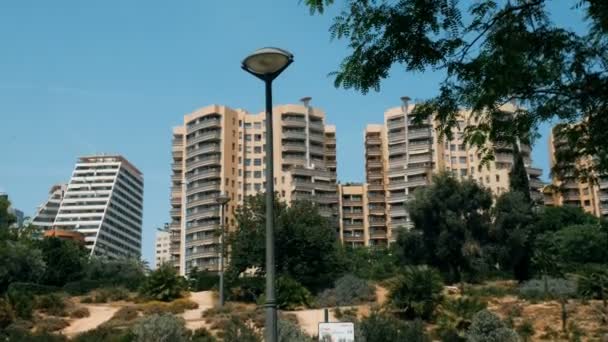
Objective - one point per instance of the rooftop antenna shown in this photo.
(405, 101)
(306, 100)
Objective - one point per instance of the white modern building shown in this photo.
(104, 202)
(47, 212)
(162, 249)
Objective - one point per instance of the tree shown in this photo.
(163, 284)
(491, 53)
(370, 263)
(518, 176)
(384, 328)
(512, 233)
(65, 259)
(552, 219)
(416, 293)
(305, 242)
(129, 273)
(19, 263)
(453, 218)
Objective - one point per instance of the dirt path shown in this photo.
(205, 300)
(99, 314)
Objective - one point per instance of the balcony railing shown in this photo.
(205, 124)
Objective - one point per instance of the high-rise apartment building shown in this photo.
(591, 196)
(222, 150)
(162, 248)
(47, 211)
(103, 201)
(401, 156)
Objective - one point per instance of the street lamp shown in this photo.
(222, 200)
(266, 64)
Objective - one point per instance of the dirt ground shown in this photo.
(98, 315)
(205, 300)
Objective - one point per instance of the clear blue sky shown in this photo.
(82, 77)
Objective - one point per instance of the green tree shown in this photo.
(518, 176)
(370, 263)
(202, 280)
(305, 242)
(552, 219)
(19, 263)
(384, 328)
(128, 273)
(454, 219)
(65, 259)
(163, 284)
(512, 233)
(491, 53)
(416, 293)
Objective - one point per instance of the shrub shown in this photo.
(290, 294)
(27, 336)
(416, 293)
(22, 303)
(80, 313)
(109, 294)
(51, 324)
(238, 331)
(128, 273)
(180, 305)
(163, 284)
(549, 288)
(456, 316)
(126, 314)
(160, 328)
(202, 335)
(202, 280)
(351, 290)
(526, 330)
(246, 289)
(52, 304)
(383, 328)
(81, 287)
(7, 316)
(105, 334)
(487, 327)
(155, 308)
(594, 283)
(290, 332)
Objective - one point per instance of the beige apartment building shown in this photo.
(218, 150)
(400, 157)
(592, 197)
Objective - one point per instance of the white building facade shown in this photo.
(104, 202)
(47, 212)
(162, 249)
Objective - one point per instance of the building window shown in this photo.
(452, 147)
(257, 174)
(463, 172)
(257, 186)
(462, 160)
(247, 174)
(240, 147)
(453, 160)
(257, 149)
(257, 162)
(248, 137)
(497, 178)
(240, 172)
(488, 179)
(247, 162)
(257, 125)
(258, 137)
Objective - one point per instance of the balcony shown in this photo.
(397, 198)
(396, 172)
(206, 148)
(175, 212)
(353, 225)
(536, 183)
(317, 150)
(420, 158)
(176, 178)
(398, 211)
(316, 125)
(208, 136)
(417, 170)
(373, 152)
(377, 223)
(211, 173)
(571, 196)
(205, 124)
(374, 163)
(213, 185)
(355, 215)
(399, 223)
(205, 213)
(354, 238)
(603, 196)
(377, 233)
(396, 137)
(206, 161)
(503, 158)
(294, 121)
(417, 181)
(420, 146)
(352, 203)
(325, 186)
(209, 199)
(376, 210)
(397, 149)
(177, 166)
(375, 187)
(397, 162)
(372, 141)
(392, 124)
(291, 147)
(418, 133)
(371, 175)
(534, 172)
(176, 200)
(326, 199)
(203, 241)
(375, 199)
(294, 159)
(318, 137)
(303, 184)
(293, 134)
(397, 185)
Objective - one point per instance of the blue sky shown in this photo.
(82, 77)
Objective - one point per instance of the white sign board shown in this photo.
(337, 332)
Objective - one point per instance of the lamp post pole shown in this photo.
(222, 200)
(266, 64)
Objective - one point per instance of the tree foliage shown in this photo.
(491, 53)
(380, 327)
(66, 259)
(163, 284)
(454, 219)
(306, 247)
(487, 327)
(416, 292)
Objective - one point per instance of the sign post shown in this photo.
(337, 332)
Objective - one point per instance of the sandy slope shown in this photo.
(205, 300)
(99, 314)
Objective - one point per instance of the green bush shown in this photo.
(290, 332)
(348, 290)
(456, 316)
(290, 294)
(163, 284)
(7, 316)
(487, 327)
(202, 335)
(549, 288)
(105, 334)
(238, 331)
(416, 293)
(51, 324)
(526, 331)
(127, 273)
(178, 306)
(52, 304)
(383, 328)
(22, 302)
(202, 280)
(80, 313)
(76, 288)
(246, 289)
(160, 328)
(109, 294)
(593, 283)
(26, 336)
(126, 314)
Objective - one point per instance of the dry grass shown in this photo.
(80, 313)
